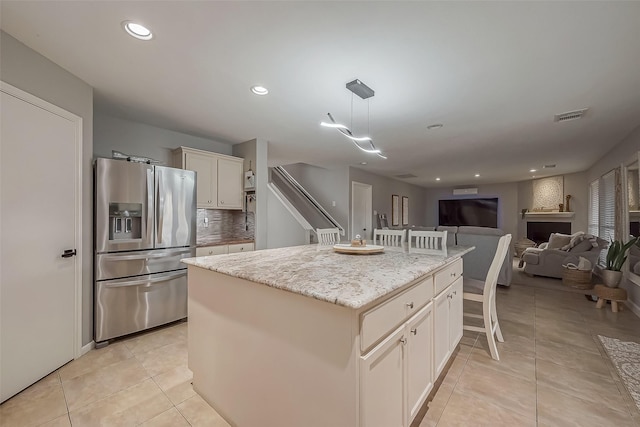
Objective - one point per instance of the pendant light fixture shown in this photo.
(364, 143)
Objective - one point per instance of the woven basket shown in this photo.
(580, 279)
(523, 244)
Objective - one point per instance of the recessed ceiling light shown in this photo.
(477, 175)
(435, 126)
(532, 170)
(259, 90)
(136, 30)
(363, 163)
(437, 179)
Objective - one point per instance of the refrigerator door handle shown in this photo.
(159, 206)
(143, 256)
(150, 206)
(138, 282)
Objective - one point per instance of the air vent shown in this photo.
(570, 115)
(406, 175)
(549, 166)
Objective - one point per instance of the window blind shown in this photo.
(607, 216)
(594, 208)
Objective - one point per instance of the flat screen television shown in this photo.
(474, 212)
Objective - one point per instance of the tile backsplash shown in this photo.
(224, 226)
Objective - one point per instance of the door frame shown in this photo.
(369, 202)
(77, 121)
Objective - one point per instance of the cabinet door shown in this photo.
(240, 247)
(212, 250)
(382, 383)
(455, 314)
(419, 363)
(441, 347)
(229, 184)
(206, 169)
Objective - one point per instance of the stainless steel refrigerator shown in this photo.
(145, 222)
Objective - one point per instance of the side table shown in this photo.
(614, 295)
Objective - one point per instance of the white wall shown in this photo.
(383, 188)
(26, 69)
(139, 139)
(508, 206)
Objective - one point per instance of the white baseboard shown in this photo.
(87, 348)
(633, 306)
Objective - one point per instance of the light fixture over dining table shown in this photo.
(364, 143)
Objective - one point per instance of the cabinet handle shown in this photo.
(449, 296)
(414, 331)
(410, 304)
(222, 202)
(453, 274)
(455, 293)
(403, 340)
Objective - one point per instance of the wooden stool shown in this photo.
(614, 295)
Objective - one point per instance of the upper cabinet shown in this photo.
(219, 177)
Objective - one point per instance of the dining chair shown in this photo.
(485, 292)
(328, 236)
(388, 237)
(428, 242)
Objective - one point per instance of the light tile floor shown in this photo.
(553, 372)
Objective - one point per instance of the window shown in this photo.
(594, 208)
(602, 209)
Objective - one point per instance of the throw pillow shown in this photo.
(576, 238)
(557, 240)
(584, 246)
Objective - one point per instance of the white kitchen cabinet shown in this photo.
(224, 249)
(419, 359)
(398, 368)
(447, 322)
(219, 177)
(382, 383)
(212, 250)
(240, 247)
(230, 176)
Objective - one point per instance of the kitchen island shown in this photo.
(304, 336)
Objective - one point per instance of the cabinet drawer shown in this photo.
(383, 318)
(212, 250)
(240, 247)
(447, 276)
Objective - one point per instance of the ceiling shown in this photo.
(493, 73)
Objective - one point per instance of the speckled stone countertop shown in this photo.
(318, 272)
(216, 241)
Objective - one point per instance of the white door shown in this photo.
(361, 216)
(39, 220)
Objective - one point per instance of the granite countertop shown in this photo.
(318, 272)
(217, 241)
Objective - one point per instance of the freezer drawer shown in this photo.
(125, 306)
(126, 264)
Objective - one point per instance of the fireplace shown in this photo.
(539, 232)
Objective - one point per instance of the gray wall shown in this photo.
(256, 151)
(284, 228)
(575, 184)
(623, 153)
(508, 206)
(26, 69)
(383, 188)
(326, 186)
(139, 139)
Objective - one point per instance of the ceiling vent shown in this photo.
(570, 115)
(406, 175)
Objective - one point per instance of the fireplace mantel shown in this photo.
(549, 215)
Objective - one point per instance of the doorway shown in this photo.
(361, 215)
(40, 225)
